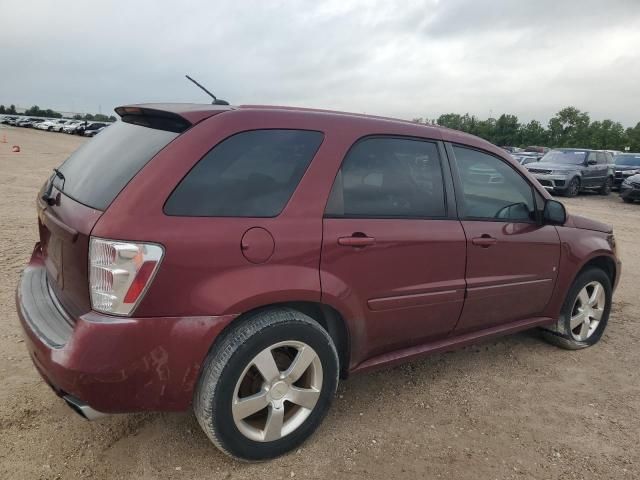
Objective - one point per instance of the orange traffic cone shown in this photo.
(4, 139)
(15, 148)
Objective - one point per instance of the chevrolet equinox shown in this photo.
(240, 260)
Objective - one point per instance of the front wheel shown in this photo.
(606, 188)
(585, 312)
(267, 384)
(574, 187)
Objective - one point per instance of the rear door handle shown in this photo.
(356, 241)
(484, 241)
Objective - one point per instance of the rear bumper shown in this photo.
(111, 364)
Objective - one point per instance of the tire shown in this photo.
(573, 188)
(562, 334)
(627, 200)
(230, 369)
(606, 188)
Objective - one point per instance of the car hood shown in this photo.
(554, 166)
(622, 168)
(634, 178)
(576, 221)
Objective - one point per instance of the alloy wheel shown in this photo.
(587, 311)
(277, 391)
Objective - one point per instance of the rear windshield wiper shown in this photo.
(47, 195)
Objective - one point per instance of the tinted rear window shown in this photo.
(102, 167)
(251, 174)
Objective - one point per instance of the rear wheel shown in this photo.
(627, 200)
(606, 188)
(267, 384)
(574, 187)
(585, 312)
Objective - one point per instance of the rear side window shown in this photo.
(251, 174)
(100, 169)
(389, 178)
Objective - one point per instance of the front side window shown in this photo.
(251, 174)
(602, 158)
(492, 189)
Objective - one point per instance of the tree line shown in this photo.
(36, 111)
(569, 127)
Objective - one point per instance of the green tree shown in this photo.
(12, 110)
(2, 109)
(569, 128)
(606, 135)
(507, 130)
(632, 138)
(533, 133)
(36, 111)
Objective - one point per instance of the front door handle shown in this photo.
(484, 241)
(356, 241)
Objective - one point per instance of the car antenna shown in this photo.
(216, 101)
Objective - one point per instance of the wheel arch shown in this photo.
(603, 262)
(330, 319)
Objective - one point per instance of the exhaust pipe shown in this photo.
(82, 408)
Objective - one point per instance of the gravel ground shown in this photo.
(510, 408)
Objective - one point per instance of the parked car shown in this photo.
(630, 189)
(626, 164)
(511, 149)
(29, 122)
(568, 171)
(13, 121)
(524, 158)
(80, 129)
(94, 129)
(240, 260)
(71, 126)
(537, 149)
(46, 124)
(6, 119)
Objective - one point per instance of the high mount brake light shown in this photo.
(120, 273)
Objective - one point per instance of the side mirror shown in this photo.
(554, 213)
(591, 162)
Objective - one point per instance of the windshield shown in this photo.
(631, 159)
(571, 157)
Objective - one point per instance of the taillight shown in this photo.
(120, 273)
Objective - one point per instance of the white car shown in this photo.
(70, 127)
(60, 124)
(45, 125)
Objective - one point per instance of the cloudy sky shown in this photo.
(398, 58)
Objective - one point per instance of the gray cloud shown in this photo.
(398, 58)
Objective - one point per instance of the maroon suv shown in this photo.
(241, 260)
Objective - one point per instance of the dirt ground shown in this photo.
(510, 408)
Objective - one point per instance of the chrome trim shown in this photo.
(82, 408)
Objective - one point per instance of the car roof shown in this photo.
(195, 112)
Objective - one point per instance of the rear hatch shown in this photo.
(82, 188)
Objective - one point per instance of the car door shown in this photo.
(602, 168)
(393, 254)
(512, 259)
(590, 171)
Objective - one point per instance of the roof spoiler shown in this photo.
(153, 118)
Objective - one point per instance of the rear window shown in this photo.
(251, 174)
(96, 172)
